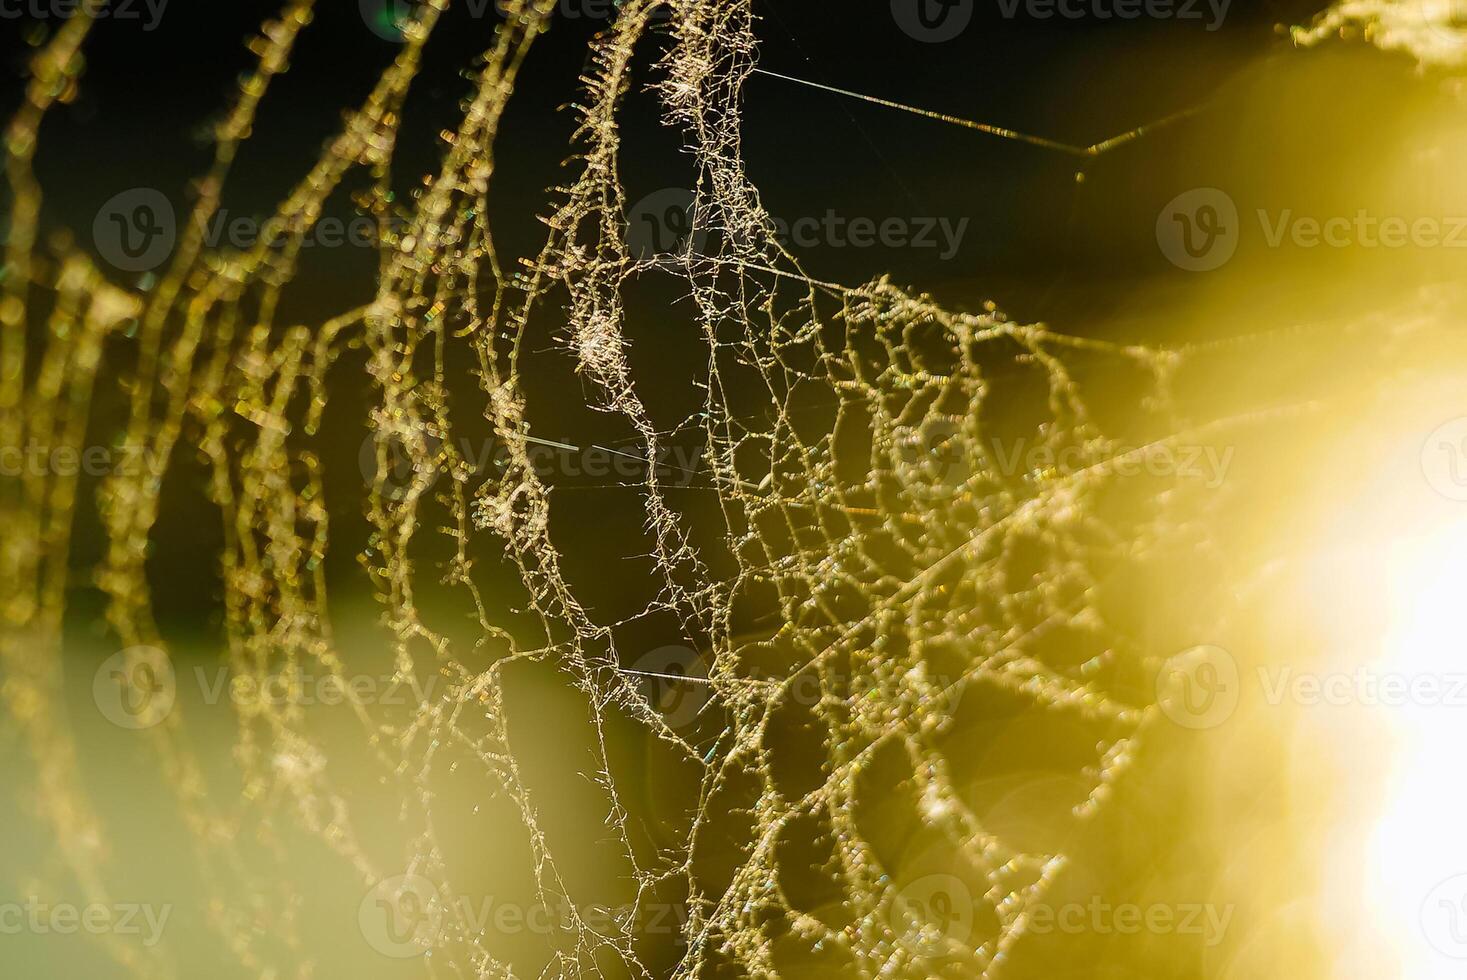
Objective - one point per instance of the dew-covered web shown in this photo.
(876, 553)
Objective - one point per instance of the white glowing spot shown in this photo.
(935, 806)
(1418, 849)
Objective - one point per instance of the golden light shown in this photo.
(1418, 851)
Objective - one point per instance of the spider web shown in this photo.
(851, 439)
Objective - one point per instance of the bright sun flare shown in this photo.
(1418, 847)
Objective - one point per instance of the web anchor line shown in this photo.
(1082, 152)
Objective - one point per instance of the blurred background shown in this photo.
(1307, 826)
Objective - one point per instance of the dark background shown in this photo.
(147, 97)
(1043, 245)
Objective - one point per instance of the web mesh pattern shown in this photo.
(876, 547)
